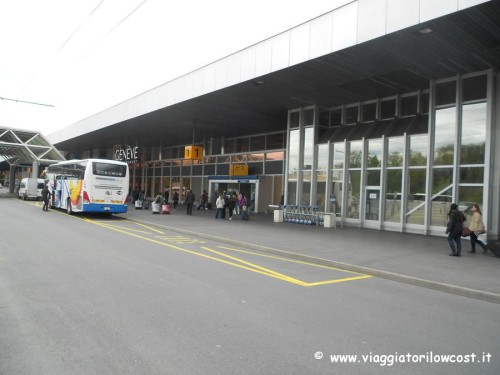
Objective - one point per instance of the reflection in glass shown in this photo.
(393, 195)
(322, 157)
(444, 146)
(338, 155)
(336, 190)
(321, 177)
(374, 153)
(468, 195)
(440, 206)
(354, 195)
(306, 188)
(355, 154)
(373, 177)
(416, 196)
(441, 178)
(292, 192)
(395, 152)
(473, 134)
(418, 150)
(293, 153)
(308, 148)
(471, 175)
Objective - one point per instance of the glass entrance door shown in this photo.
(372, 209)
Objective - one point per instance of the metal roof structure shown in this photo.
(18, 147)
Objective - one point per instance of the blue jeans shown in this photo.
(454, 240)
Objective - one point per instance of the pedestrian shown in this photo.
(166, 196)
(175, 199)
(476, 227)
(219, 204)
(454, 229)
(232, 204)
(189, 202)
(224, 194)
(45, 197)
(203, 201)
(242, 203)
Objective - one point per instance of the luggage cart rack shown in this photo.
(297, 214)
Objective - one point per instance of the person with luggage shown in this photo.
(476, 227)
(231, 205)
(175, 199)
(203, 201)
(242, 203)
(454, 229)
(166, 196)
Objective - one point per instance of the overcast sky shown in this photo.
(84, 56)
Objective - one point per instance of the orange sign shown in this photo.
(193, 152)
(238, 170)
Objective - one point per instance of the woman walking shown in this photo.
(476, 227)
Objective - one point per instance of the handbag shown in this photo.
(466, 232)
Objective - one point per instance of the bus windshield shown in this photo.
(108, 169)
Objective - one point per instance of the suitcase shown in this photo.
(165, 209)
(146, 205)
(138, 205)
(155, 208)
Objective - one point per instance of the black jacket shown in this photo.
(455, 222)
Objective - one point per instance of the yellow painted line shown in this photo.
(267, 271)
(118, 226)
(241, 263)
(186, 250)
(289, 260)
(361, 277)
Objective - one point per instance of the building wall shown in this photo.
(398, 163)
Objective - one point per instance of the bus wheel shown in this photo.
(68, 207)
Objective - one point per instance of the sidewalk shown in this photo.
(409, 258)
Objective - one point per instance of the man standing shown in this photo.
(45, 197)
(189, 202)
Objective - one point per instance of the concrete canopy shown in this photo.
(394, 62)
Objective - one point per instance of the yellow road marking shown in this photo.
(240, 262)
(288, 260)
(263, 269)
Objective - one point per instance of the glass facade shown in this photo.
(403, 160)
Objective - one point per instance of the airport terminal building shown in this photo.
(382, 111)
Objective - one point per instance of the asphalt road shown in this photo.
(95, 295)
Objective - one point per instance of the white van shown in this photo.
(31, 188)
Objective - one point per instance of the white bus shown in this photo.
(91, 185)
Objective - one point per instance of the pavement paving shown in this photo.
(418, 260)
(409, 258)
